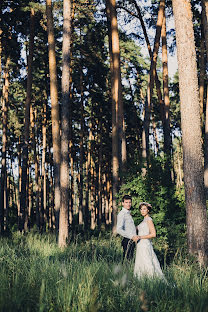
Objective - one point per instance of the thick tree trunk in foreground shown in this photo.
(197, 228)
(205, 31)
(23, 196)
(54, 110)
(65, 134)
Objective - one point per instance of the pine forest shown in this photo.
(101, 99)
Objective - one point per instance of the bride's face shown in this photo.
(144, 211)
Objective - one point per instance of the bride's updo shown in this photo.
(149, 206)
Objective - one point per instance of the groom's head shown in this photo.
(126, 202)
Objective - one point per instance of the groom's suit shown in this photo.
(127, 229)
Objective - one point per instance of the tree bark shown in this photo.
(152, 73)
(205, 31)
(88, 177)
(81, 149)
(196, 217)
(71, 198)
(54, 110)
(19, 178)
(65, 126)
(23, 196)
(145, 138)
(44, 186)
(100, 162)
(1, 31)
(3, 194)
(35, 159)
(167, 131)
(117, 105)
(92, 180)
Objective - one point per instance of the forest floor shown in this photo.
(35, 275)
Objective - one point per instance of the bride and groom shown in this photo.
(146, 262)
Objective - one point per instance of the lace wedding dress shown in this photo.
(146, 262)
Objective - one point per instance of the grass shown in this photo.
(87, 276)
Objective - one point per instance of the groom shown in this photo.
(126, 228)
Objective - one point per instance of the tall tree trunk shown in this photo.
(167, 131)
(35, 158)
(81, 149)
(88, 176)
(64, 176)
(153, 66)
(29, 199)
(0, 55)
(206, 149)
(26, 217)
(23, 196)
(155, 136)
(145, 138)
(71, 198)
(100, 161)
(3, 194)
(205, 31)
(44, 186)
(52, 204)
(117, 106)
(197, 227)
(54, 110)
(92, 180)
(19, 178)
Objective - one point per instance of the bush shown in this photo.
(168, 206)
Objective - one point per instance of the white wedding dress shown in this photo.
(146, 262)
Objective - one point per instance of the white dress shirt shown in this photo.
(125, 224)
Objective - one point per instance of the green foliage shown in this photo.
(88, 276)
(168, 211)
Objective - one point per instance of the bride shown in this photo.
(146, 262)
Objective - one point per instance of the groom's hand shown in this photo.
(135, 238)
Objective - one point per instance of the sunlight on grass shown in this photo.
(35, 275)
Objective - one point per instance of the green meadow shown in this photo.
(35, 275)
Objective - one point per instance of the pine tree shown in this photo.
(64, 171)
(191, 132)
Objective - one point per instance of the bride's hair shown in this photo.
(149, 206)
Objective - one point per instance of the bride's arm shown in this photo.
(152, 231)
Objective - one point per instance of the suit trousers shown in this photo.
(128, 248)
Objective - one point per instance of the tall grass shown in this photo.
(87, 276)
